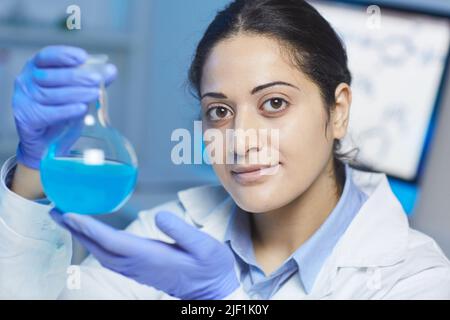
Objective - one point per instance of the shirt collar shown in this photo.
(311, 255)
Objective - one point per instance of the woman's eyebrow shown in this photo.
(220, 95)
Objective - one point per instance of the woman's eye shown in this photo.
(218, 113)
(275, 105)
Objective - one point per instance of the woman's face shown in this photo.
(293, 110)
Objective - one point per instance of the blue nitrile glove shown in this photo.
(196, 266)
(48, 92)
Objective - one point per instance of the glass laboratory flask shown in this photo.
(90, 168)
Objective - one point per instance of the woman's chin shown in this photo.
(257, 199)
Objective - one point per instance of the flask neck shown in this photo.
(102, 106)
(98, 109)
(97, 114)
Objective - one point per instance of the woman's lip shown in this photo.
(248, 169)
(246, 177)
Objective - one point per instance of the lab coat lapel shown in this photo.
(377, 236)
(200, 202)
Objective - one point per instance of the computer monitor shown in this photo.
(397, 59)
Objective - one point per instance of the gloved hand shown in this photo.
(49, 91)
(197, 266)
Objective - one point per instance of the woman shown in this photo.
(306, 226)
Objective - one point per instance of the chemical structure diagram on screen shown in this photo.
(397, 70)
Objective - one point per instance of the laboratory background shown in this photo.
(398, 55)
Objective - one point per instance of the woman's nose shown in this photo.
(245, 134)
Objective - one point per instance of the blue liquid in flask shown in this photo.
(75, 186)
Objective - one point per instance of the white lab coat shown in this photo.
(378, 257)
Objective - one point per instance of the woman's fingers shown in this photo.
(62, 77)
(109, 243)
(59, 56)
(62, 95)
(187, 236)
(116, 241)
(110, 74)
(38, 116)
(72, 77)
(106, 258)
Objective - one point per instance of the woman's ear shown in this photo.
(341, 112)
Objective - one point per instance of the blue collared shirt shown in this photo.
(307, 260)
